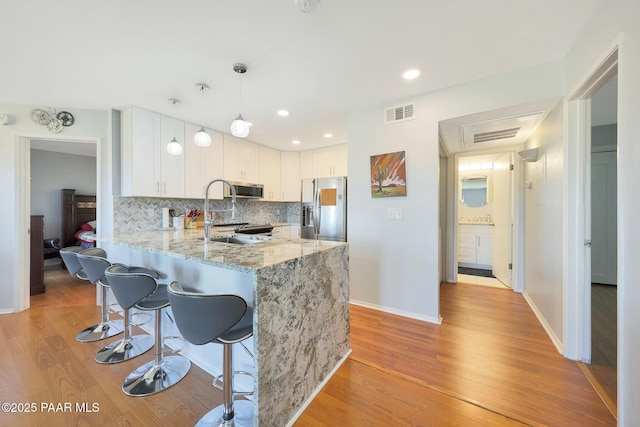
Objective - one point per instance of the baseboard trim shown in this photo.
(554, 338)
(409, 314)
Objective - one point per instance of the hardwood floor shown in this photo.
(489, 364)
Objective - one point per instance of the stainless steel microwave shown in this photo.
(245, 190)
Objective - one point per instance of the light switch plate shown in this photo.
(394, 213)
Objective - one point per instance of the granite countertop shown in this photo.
(188, 244)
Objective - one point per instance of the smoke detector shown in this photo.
(306, 6)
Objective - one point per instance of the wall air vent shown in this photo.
(495, 135)
(399, 114)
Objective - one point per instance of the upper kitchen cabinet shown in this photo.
(290, 176)
(202, 164)
(330, 161)
(148, 170)
(306, 164)
(269, 173)
(240, 160)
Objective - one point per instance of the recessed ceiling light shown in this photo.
(283, 113)
(295, 141)
(328, 135)
(411, 74)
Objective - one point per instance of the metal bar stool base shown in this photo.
(122, 350)
(100, 331)
(152, 378)
(242, 411)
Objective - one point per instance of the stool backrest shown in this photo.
(129, 287)
(70, 257)
(94, 263)
(202, 317)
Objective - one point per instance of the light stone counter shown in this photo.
(300, 293)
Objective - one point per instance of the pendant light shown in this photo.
(240, 127)
(202, 138)
(174, 147)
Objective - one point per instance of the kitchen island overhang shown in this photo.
(299, 290)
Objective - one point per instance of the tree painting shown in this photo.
(388, 175)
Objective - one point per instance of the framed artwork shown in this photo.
(388, 175)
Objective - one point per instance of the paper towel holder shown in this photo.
(530, 155)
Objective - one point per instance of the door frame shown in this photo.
(23, 204)
(576, 215)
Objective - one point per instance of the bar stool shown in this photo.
(130, 346)
(105, 328)
(140, 290)
(224, 319)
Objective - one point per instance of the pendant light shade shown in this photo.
(202, 138)
(240, 127)
(174, 147)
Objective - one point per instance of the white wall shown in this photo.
(543, 224)
(50, 173)
(394, 264)
(612, 20)
(14, 259)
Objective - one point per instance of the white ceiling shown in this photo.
(347, 55)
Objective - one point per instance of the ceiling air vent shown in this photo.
(399, 114)
(495, 135)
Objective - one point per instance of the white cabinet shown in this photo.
(475, 246)
(289, 231)
(290, 176)
(171, 183)
(306, 164)
(202, 164)
(147, 168)
(330, 161)
(240, 160)
(269, 173)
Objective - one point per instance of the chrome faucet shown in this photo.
(207, 215)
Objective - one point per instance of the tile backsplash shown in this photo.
(131, 214)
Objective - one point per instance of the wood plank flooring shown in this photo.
(489, 364)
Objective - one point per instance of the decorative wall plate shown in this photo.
(40, 117)
(54, 126)
(65, 117)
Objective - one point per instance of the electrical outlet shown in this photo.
(394, 213)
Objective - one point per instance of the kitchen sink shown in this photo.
(239, 240)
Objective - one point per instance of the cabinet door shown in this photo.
(290, 176)
(484, 250)
(240, 160)
(466, 245)
(306, 164)
(330, 161)
(269, 173)
(340, 160)
(140, 152)
(202, 164)
(171, 165)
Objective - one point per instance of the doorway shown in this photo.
(484, 218)
(47, 166)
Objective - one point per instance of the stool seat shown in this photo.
(71, 256)
(135, 288)
(216, 318)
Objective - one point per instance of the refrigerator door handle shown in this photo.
(317, 203)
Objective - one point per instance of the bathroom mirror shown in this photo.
(475, 191)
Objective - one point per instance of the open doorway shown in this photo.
(55, 166)
(484, 219)
(602, 211)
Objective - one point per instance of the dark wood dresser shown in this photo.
(37, 254)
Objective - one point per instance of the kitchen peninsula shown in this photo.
(299, 290)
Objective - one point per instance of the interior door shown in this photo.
(603, 218)
(502, 214)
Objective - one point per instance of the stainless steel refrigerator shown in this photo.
(324, 209)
